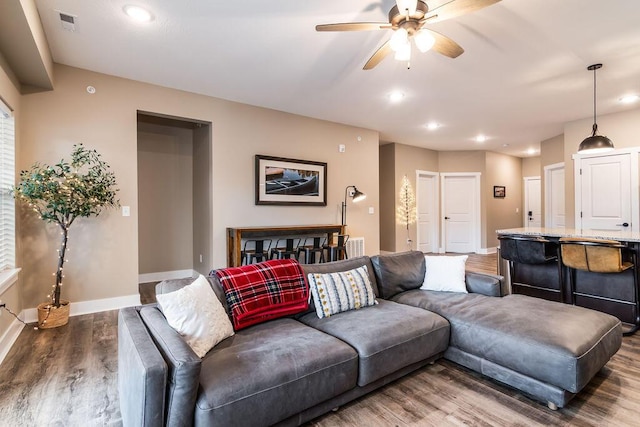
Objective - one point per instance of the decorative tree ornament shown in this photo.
(406, 212)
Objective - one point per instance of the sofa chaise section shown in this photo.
(543, 348)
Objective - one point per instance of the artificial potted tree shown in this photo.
(59, 194)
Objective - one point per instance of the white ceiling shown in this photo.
(522, 76)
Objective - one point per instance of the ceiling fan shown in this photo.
(407, 19)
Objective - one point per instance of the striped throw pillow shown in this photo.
(341, 291)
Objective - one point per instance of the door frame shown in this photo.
(477, 236)
(635, 197)
(435, 246)
(548, 170)
(525, 180)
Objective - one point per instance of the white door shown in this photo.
(532, 202)
(460, 205)
(427, 204)
(554, 195)
(605, 192)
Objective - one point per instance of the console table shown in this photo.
(236, 234)
(613, 294)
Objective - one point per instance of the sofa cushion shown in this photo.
(268, 290)
(195, 312)
(399, 272)
(445, 273)
(387, 336)
(558, 344)
(342, 265)
(268, 372)
(341, 291)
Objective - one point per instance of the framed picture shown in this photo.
(499, 191)
(281, 181)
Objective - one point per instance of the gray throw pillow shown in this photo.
(398, 272)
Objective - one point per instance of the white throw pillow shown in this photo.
(196, 313)
(445, 273)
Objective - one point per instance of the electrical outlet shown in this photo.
(200, 258)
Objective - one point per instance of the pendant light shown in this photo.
(595, 143)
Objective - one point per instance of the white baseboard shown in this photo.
(30, 315)
(487, 251)
(165, 275)
(9, 338)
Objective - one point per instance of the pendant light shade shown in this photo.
(595, 143)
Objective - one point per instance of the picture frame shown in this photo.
(283, 181)
(499, 191)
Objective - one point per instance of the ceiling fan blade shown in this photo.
(378, 56)
(455, 8)
(354, 26)
(445, 45)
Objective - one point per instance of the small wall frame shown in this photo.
(499, 191)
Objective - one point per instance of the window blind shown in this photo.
(7, 180)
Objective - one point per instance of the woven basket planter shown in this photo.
(52, 317)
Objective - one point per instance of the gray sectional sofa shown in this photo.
(290, 370)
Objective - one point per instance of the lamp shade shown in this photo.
(595, 144)
(424, 40)
(358, 195)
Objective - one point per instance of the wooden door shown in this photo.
(554, 196)
(532, 202)
(605, 193)
(427, 205)
(460, 197)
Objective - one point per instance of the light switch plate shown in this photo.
(126, 211)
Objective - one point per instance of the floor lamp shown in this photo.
(356, 196)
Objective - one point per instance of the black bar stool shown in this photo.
(533, 266)
(285, 248)
(254, 250)
(601, 256)
(311, 247)
(339, 250)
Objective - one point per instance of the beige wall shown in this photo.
(622, 128)
(387, 198)
(165, 198)
(500, 213)
(531, 166)
(202, 200)
(103, 261)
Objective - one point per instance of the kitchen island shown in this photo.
(613, 293)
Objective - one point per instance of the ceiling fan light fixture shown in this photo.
(595, 143)
(399, 39)
(403, 53)
(424, 40)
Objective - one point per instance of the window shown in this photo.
(7, 180)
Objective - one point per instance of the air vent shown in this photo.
(68, 21)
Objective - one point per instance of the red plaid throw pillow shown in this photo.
(259, 292)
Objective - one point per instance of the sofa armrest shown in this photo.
(490, 285)
(183, 368)
(142, 373)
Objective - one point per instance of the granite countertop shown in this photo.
(620, 235)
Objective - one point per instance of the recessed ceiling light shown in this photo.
(505, 145)
(138, 13)
(432, 125)
(629, 99)
(481, 138)
(531, 151)
(396, 96)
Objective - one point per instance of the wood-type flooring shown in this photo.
(68, 377)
